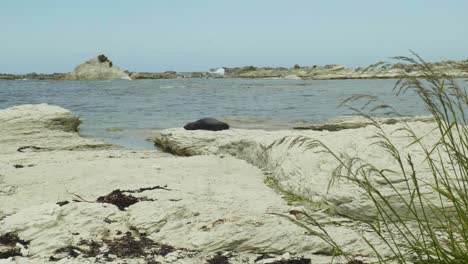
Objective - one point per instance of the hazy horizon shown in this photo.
(54, 36)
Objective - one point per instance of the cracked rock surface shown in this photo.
(210, 204)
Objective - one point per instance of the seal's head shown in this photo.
(191, 126)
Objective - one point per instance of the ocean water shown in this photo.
(126, 112)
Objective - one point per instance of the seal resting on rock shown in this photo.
(207, 124)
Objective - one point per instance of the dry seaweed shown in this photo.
(356, 261)
(165, 249)
(119, 199)
(62, 203)
(218, 259)
(9, 241)
(262, 257)
(93, 247)
(11, 252)
(129, 246)
(68, 251)
(122, 200)
(126, 246)
(22, 149)
(300, 260)
(140, 190)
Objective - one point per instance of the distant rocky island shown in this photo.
(102, 68)
(99, 68)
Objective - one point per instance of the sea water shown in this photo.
(126, 112)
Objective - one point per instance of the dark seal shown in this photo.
(207, 124)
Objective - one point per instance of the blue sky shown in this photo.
(158, 35)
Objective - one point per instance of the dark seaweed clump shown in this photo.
(9, 241)
(103, 58)
(122, 200)
(62, 203)
(119, 199)
(126, 246)
(70, 251)
(262, 257)
(218, 259)
(356, 261)
(300, 260)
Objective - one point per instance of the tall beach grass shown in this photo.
(426, 230)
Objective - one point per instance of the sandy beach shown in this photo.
(221, 193)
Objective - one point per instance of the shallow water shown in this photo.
(123, 112)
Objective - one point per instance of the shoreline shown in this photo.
(90, 71)
(12, 77)
(218, 195)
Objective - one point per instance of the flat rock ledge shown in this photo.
(353, 122)
(307, 173)
(181, 209)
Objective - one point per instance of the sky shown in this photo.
(195, 35)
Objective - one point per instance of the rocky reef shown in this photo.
(103, 69)
(353, 122)
(154, 75)
(33, 76)
(456, 69)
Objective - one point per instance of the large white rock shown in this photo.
(99, 68)
(43, 126)
(214, 203)
(292, 77)
(308, 173)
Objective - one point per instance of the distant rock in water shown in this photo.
(154, 75)
(207, 124)
(353, 122)
(292, 77)
(99, 68)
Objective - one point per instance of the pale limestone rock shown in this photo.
(292, 77)
(352, 122)
(43, 126)
(455, 69)
(214, 203)
(307, 173)
(97, 69)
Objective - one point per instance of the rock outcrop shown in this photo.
(103, 69)
(7, 77)
(42, 127)
(99, 68)
(308, 173)
(34, 76)
(353, 122)
(154, 75)
(191, 207)
(455, 69)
